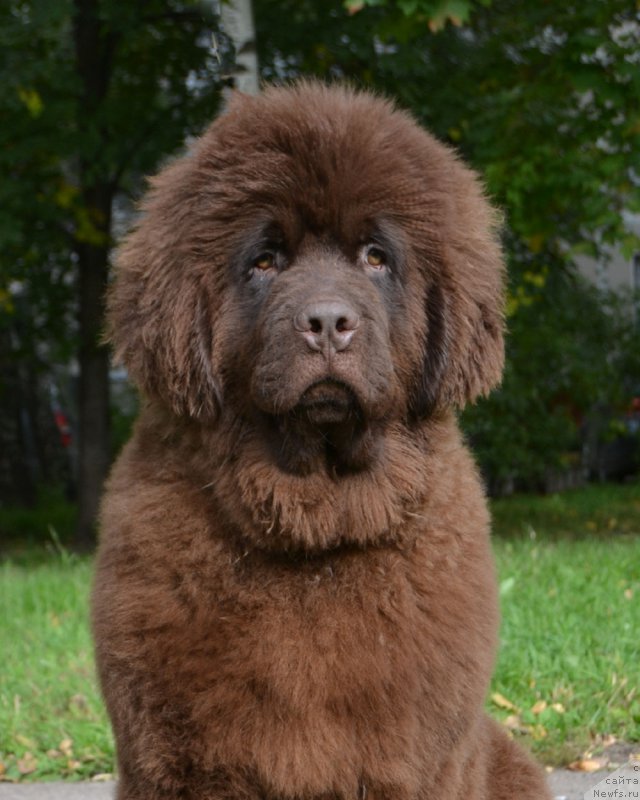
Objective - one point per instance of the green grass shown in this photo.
(599, 511)
(569, 569)
(52, 722)
(570, 637)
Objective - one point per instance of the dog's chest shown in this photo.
(320, 659)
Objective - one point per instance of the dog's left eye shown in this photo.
(374, 257)
(264, 262)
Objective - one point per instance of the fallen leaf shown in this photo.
(27, 764)
(558, 708)
(512, 721)
(588, 764)
(515, 724)
(538, 732)
(102, 776)
(53, 753)
(25, 741)
(628, 593)
(539, 707)
(73, 764)
(66, 747)
(79, 702)
(501, 701)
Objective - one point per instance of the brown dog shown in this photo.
(295, 596)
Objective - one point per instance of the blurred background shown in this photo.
(543, 99)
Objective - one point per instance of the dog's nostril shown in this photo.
(327, 324)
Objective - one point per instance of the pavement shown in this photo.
(57, 791)
(565, 785)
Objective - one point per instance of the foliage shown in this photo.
(161, 87)
(599, 512)
(571, 350)
(543, 100)
(29, 530)
(94, 94)
(434, 13)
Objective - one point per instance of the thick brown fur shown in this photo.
(295, 596)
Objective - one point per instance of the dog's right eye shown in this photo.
(264, 262)
(375, 258)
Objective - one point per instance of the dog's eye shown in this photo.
(264, 262)
(374, 257)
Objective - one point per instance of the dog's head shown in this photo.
(319, 264)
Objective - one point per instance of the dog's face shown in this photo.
(314, 316)
(320, 266)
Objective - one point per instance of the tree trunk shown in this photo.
(17, 475)
(94, 451)
(94, 47)
(237, 22)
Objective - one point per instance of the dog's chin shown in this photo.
(329, 403)
(327, 429)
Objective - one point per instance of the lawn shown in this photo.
(568, 674)
(52, 722)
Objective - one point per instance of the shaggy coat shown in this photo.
(295, 596)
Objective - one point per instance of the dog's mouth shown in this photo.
(329, 402)
(327, 429)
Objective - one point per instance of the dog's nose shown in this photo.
(327, 324)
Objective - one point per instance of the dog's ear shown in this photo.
(474, 272)
(159, 316)
(464, 301)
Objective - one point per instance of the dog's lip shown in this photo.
(328, 392)
(328, 401)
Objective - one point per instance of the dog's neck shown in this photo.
(280, 511)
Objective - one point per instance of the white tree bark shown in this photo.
(237, 22)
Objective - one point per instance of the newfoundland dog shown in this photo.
(295, 595)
